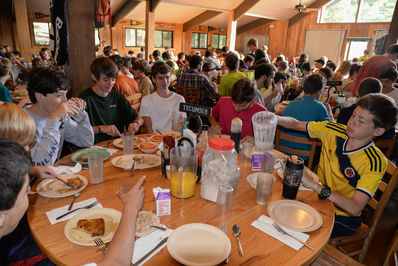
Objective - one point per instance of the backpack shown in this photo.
(102, 13)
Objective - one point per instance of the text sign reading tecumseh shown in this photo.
(195, 109)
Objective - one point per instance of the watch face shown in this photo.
(325, 193)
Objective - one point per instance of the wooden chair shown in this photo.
(331, 256)
(191, 95)
(386, 145)
(391, 258)
(365, 233)
(302, 140)
(135, 100)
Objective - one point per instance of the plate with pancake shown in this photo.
(83, 228)
(144, 161)
(144, 221)
(53, 188)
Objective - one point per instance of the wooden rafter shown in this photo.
(154, 4)
(244, 7)
(124, 11)
(252, 25)
(199, 19)
(299, 16)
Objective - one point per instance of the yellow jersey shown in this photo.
(346, 171)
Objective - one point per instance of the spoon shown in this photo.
(73, 200)
(236, 233)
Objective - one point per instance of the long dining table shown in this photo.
(259, 247)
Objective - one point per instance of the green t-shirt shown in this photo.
(227, 82)
(113, 109)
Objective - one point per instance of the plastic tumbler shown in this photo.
(264, 187)
(224, 202)
(264, 126)
(292, 176)
(128, 143)
(96, 167)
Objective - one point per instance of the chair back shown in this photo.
(302, 140)
(379, 202)
(386, 145)
(191, 95)
(391, 258)
(135, 100)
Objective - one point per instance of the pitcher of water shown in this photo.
(264, 126)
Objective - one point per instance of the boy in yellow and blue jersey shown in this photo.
(350, 166)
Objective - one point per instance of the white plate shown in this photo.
(198, 244)
(118, 143)
(252, 179)
(126, 161)
(153, 220)
(79, 237)
(295, 215)
(48, 187)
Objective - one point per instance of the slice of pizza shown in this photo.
(94, 227)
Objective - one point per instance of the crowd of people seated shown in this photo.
(234, 85)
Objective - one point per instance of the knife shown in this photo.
(224, 229)
(151, 251)
(63, 181)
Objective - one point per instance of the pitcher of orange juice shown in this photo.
(183, 167)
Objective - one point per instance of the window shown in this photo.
(163, 38)
(355, 47)
(135, 37)
(219, 40)
(199, 40)
(41, 33)
(343, 11)
(96, 37)
(376, 10)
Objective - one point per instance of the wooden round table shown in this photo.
(259, 248)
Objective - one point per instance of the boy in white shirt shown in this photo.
(159, 108)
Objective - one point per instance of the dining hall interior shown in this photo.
(336, 30)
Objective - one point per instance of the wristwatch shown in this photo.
(325, 192)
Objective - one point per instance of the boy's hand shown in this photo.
(134, 127)
(134, 198)
(111, 130)
(80, 103)
(63, 109)
(46, 171)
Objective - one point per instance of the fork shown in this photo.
(280, 230)
(100, 244)
(85, 207)
(135, 161)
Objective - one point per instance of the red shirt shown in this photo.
(224, 112)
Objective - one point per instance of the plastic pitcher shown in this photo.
(183, 167)
(264, 126)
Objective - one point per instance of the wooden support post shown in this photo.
(393, 32)
(149, 30)
(231, 32)
(81, 44)
(22, 29)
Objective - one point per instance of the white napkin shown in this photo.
(145, 244)
(61, 170)
(111, 151)
(264, 223)
(51, 215)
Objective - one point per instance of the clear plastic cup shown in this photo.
(80, 116)
(96, 167)
(264, 187)
(128, 143)
(264, 126)
(224, 202)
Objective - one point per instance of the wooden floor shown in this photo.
(384, 233)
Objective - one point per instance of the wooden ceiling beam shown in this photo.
(124, 11)
(244, 7)
(252, 25)
(301, 15)
(199, 19)
(154, 4)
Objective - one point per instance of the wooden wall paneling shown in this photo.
(6, 27)
(80, 44)
(22, 29)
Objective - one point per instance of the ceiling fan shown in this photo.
(302, 8)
